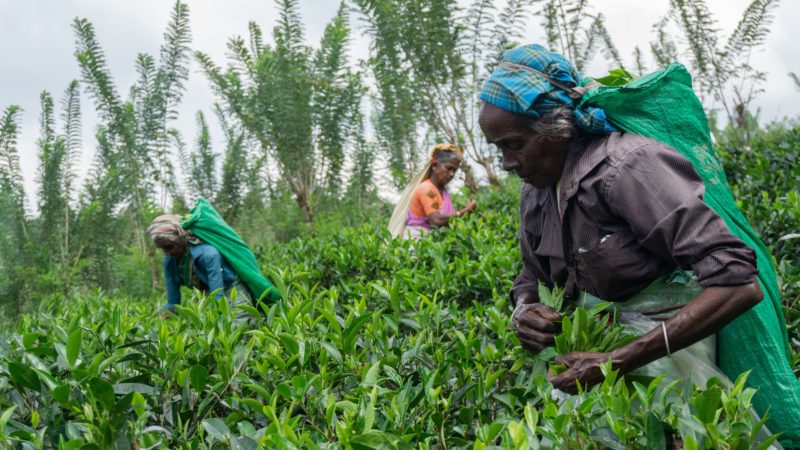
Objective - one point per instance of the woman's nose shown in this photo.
(509, 164)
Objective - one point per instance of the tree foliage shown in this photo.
(300, 106)
(52, 198)
(203, 171)
(133, 169)
(234, 177)
(796, 79)
(297, 145)
(430, 59)
(14, 230)
(576, 32)
(721, 66)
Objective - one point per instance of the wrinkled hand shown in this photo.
(535, 325)
(471, 206)
(582, 367)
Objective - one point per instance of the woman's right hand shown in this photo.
(470, 207)
(535, 325)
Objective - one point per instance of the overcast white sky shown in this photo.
(38, 45)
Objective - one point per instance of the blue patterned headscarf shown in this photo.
(515, 88)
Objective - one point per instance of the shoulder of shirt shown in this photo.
(530, 195)
(203, 250)
(621, 147)
(526, 190)
(425, 187)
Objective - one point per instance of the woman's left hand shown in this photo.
(582, 367)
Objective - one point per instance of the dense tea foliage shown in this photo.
(378, 344)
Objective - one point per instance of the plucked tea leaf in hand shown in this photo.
(554, 298)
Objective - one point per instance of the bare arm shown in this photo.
(711, 310)
(707, 313)
(441, 220)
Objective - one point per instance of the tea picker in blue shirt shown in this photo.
(188, 261)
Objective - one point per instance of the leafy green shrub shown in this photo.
(378, 344)
(765, 178)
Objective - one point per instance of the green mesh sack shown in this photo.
(206, 223)
(663, 106)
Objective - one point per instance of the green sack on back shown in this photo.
(206, 223)
(663, 106)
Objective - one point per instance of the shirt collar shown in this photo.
(582, 157)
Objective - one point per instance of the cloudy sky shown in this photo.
(38, 45)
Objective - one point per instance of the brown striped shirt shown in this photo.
(633, 210)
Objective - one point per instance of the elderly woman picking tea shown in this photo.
(609, 216)
(190, 262)
(426, 201)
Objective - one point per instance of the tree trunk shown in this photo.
(309, 211)
(494, 180)
(469, 179)
(154, 270)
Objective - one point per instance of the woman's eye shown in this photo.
(514, 146)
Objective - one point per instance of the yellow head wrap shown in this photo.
(447, 148)
(397, 223)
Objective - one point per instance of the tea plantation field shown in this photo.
(378, 344)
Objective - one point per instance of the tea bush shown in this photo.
(765, 178)
(378, 344)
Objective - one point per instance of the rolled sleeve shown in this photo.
(212, 261)
(526, 284)
(173, 282)
(660, 195)
(429, 198)
(525, 288)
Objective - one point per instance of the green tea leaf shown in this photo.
(28, 339)
(706, 404)
(127, 388)
(371, 377)
(74, 342)
(102, 391)
(217, 429)
(24, 376)
(290, 343)
(554, 298)
(333, 351)
(61, 394)
(5, 417)
(373, 440)
(654, 433)
(198, 375)
(616, 77)
(353, 330)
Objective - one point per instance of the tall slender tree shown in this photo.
(233, 184)
(136, 153)
(576, 32)
(52, 199)
(71, 118)
(442, 54)
(721, 68)
(58, 156)
(203, 178)
(14, 230)
(12, 185)
(296, 104)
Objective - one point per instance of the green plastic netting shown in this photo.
(663, 106)
(207, 224)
